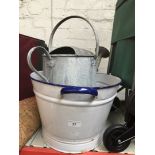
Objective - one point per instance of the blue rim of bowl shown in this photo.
(53, 84)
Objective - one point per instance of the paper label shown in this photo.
(74, 124)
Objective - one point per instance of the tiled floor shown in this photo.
(114, 117)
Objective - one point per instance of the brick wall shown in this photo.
(35, 18)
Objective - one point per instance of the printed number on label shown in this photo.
(74, 123)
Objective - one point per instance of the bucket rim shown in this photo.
(71, 86)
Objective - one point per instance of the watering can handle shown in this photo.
(30, 62)
(63, 20)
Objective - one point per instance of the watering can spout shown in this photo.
(103, 52)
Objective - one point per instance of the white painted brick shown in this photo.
(75, 34)
(42, 22)
(109, 14)
(62, 13)
(73, 23)
(100, 15)
(58, 13)
(84, 4)
(23, 3)
(45, 3)
(78, 4)
(102, 4)
(85, 44)
(103, 65)
(20, 4)
(76, 30)
(97, 4)
(104, 34)
(82, 34)
(95, 15)
(25, 23)
(46, 13)
(23, 13)
(35, 18)
(104, 25)
(35, 7)
(59, 4)
(106, 42)
(33, 32)
(110, 4)
(78, 37)
(70, 4)
(38, 33)
(47, 34)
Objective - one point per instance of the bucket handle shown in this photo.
(30, 62)
(63, 20)
(79, 90)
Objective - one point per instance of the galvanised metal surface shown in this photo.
(70, 69)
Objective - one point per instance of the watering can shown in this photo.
(68, 65)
